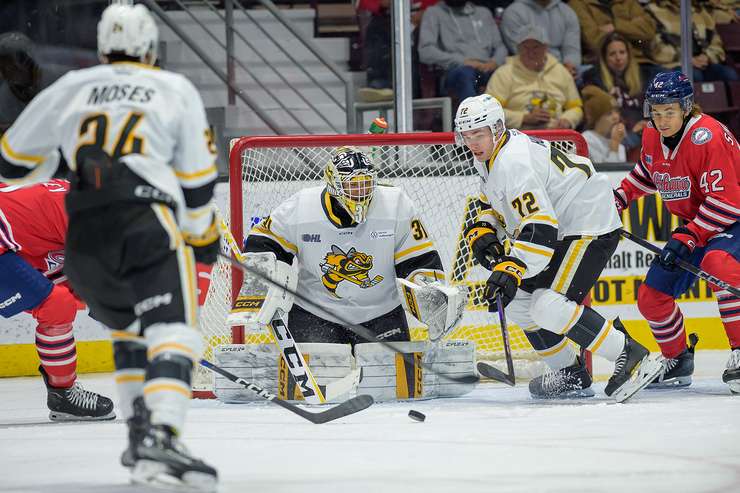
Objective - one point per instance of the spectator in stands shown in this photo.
(599, 18)
(560, 23)
(604, 128)
(618, 73)
(723, 11)
(708, 53)
(378, 50)
(535, 89)
(463, 39)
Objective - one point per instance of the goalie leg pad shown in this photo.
(263, 365)
(390, 376)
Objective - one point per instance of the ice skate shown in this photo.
(162, 461)
(676, 372)
(731, 375)
(572, 382)
(621, 385)
(137, 427)
(76, 404)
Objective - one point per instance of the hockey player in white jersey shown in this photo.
(140, 215)
(555, 209)
(352, 238)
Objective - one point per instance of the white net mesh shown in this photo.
(435, 173)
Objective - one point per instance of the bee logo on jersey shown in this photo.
(352, 266)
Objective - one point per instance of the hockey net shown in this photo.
(438, 176)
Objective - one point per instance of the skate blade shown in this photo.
(734, 387)
(158, 475)
(671, 383)
(572, 394)
(646, 372)
(65, 417)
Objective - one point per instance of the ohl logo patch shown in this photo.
(351, 266)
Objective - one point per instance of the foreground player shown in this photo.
(33, 224)
(139, 213)
(554, 208)
(353, 238)
(693, 161)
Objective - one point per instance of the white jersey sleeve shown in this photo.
(29, 154)
(276, 232)
(415, 254)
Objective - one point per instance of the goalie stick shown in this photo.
(355, 328)
(684, 265)
(312, 392)
(351, 406)
(491, 371)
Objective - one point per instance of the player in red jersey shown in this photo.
(33, 224)
(693, 161)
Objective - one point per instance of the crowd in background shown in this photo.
(578, 64)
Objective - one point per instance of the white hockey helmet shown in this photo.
(479, 112)
(351, 178)
(130, 30)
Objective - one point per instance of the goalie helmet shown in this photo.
(479, 112)
(129, 30)
(350, 178)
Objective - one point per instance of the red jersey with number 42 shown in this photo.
(698, 180)
(33, 223)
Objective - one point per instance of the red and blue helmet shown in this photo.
(667, 88)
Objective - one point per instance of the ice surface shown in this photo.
(494, 440)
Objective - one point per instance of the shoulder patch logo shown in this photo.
(648, 158)
(351, 266)
(701, 135)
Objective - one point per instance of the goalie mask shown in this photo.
(350, 178)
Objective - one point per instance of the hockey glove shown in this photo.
(679, 247)
(206, 245)
(484, 244)
(506, 276)
(620, 199)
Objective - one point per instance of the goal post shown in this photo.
(434, 172)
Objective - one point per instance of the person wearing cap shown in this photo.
(464, 40)
(535, 89)
(559, 21)
(604, 128)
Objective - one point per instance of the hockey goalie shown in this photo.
(357, 256)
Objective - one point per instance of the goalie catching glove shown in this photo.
(484, 244)
(438, 306)
(205, 245)
(505, 280)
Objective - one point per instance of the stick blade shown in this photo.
(351, 406)
(490, 371)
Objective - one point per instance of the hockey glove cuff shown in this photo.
(205, 245)
(484, 244)
(679, 247)
(620, 199)
(505, 278)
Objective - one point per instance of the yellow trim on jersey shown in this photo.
(190, 297)
(555, 349)
(413, 249)
(17, 156)
(166, 387)
(329, 210)
(597, 344)
(540, 217)
(136, 64)
(164, 214)
(528, 248)
(200, 212)
(288, 246)
(130, 378)
(574, 253)
(184, 175)
(503, 140)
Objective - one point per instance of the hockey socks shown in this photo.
(129, 353)
(58, 354)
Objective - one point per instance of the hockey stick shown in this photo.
(357, 329)
(683, 264)
(351, 406)
(299, 369)
(491, 371)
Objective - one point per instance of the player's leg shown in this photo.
(557, 305)
(656, 302)
(722, 260)
(22, 288)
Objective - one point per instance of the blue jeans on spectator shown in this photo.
(715, 72)
(464, 81)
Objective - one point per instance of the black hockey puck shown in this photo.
(417, 416)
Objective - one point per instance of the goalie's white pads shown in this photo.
(388, 376)
(261, 364)
(436, 305)
(258, 300)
